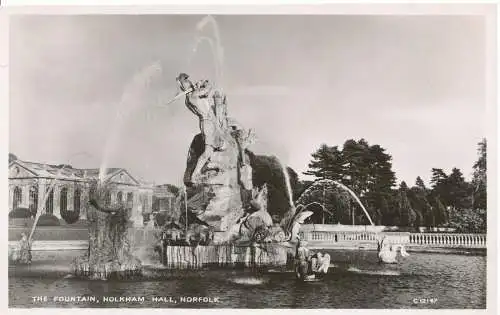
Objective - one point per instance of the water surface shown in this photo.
(355, 280)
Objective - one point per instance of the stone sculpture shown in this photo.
(21, 253)
(227, 189)
(110, 240)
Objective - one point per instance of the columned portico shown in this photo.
(42, 190)
(71, 198)
(57, 198)
(25, 201)
(26, 177)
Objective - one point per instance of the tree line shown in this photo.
(450, 201)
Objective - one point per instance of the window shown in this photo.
(63, 199)
(119, 197)
(76, 200)
(130, 200)
(144, 203)
(107, 198)
(49, 203)
(18, 197)
(33, 199)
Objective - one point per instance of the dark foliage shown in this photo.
(70, 217)
(20, 213)
(48, 220)
(451, 201)
(268, 170)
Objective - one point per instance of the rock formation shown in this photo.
(239, 195)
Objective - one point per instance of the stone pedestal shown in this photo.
(111, 238)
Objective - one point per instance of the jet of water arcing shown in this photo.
(343, 187)
(216, 59)
(217, 49)
(287, 184)
(356, 198)
(128, 102)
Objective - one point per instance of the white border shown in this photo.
(271, 7)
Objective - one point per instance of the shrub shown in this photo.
(48, 219)
(70, 217)
(162, 217)
(20, 213)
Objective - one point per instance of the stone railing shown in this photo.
(452, 240)
(340, 236)
(446, 240)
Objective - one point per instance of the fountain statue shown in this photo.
(21, 254)
(226, 190)
(111, 237)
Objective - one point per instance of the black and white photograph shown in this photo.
(252, 159)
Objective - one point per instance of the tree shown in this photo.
(300, 187)
(458, 191)
(385, 216)
(326, 163)
(337, 203)
(364, 168)
(420, 183)
(408, 215)
(438, 177)
(468, 220)
(440, 213)
(358, 165)
(468, 200)
(418, 200)
(479, 177)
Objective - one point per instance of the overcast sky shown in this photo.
(413, 84)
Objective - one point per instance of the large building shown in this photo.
(69, 188)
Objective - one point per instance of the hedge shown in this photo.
(20, 213)
(70, 216)
(48, 220)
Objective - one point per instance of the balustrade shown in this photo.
(448, 240)
(421, 239)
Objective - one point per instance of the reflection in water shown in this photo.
(375, 272)
(248, 280)
(459, 281)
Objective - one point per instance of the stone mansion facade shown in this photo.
(28, 182)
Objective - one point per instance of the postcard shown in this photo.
(336, 157)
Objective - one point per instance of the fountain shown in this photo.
(337, 184)
(229, 211)
(217, 50)
(125, 107)
(111, 240)
(222, 192)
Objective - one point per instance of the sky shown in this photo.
(91, 90)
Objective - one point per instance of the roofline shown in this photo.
(23, 166)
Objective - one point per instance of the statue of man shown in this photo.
(209, 105)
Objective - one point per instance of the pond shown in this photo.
(355, 280)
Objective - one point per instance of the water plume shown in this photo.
(128, 103)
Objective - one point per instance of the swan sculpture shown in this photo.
(388, 253)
